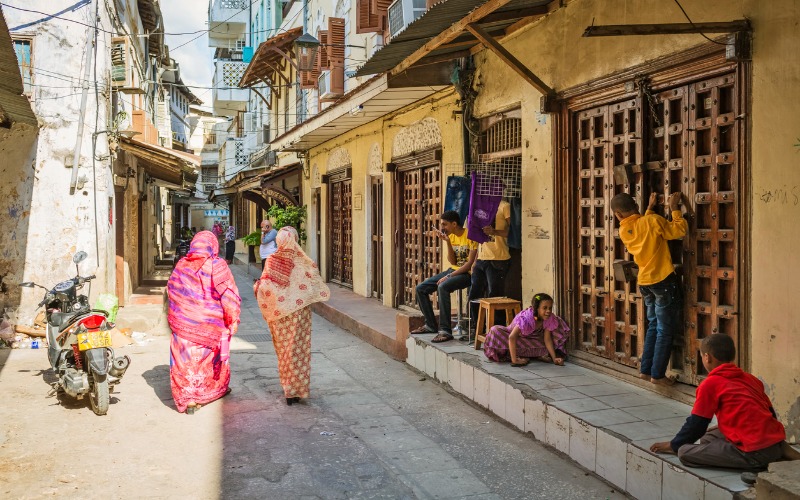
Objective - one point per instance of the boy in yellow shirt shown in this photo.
(461, 252)
(645, 237)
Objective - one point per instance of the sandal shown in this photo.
(665, 381)
(442, 337)
(423, 329)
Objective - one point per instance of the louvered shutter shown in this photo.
(322, 54)
(367, 18)
(381, 9)
(336, 53)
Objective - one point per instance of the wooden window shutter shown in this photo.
(429, 3)
(367, 18)
(381, 9)
(310, 79)
(336, 53)
(323, 62)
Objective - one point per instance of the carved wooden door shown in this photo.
(341, 246)
(610, 316)
(420, 251)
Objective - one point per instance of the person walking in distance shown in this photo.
(645, 237)
(268, 246)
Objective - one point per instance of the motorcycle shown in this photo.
(79, 342)
(180, 251)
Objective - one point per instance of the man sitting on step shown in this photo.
(461, 252)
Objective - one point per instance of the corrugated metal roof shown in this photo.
(13, 105)
(433, 22)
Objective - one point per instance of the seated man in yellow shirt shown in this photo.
(645, 237)
(461, 252)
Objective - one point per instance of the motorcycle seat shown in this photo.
(60, 319)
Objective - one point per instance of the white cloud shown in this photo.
(195, 58)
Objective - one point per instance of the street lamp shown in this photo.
(306, 47)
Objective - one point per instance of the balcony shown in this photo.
(227, 98)
(228, 20)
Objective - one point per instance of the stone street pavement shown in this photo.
(373, 428)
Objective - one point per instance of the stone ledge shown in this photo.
(781, 482)
(600, 422)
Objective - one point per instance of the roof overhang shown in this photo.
(270, 60)
(371, 100)
(223, 194)
(14, 107)
(177, 168)
(442, 33)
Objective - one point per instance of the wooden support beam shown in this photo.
(449, 34)
(259, 94)
(515, 14)
(287, 57)
(504, 55)
(667, 29)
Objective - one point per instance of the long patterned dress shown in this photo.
(291, 336)
(530, 343)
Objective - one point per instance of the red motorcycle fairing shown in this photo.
(93, 321)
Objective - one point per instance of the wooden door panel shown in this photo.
(376, 237)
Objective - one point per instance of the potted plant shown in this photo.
(289, 216)
(252, 240)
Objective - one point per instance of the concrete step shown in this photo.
(606, 425)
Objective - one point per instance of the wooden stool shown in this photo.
(486, 310)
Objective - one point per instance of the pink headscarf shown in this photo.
(290, 281)
(204, 302)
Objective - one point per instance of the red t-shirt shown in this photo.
(741, 406)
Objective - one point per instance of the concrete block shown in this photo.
(405, 323)
(582, 443)
(557, 429)
(410, 343)
(481, 388)
(535, 418)
(419, 356)
(644, 474)
(611, 459)
(430, 362)
(515, 407)
(441, 366)
(467, 381)
(678, 484)
(782, 481)
(497, 397)
(714, 492)
(454, 374)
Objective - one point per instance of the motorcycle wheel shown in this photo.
(98, 397)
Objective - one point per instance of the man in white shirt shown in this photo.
(268, 246)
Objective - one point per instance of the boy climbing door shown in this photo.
(418, 250)
(340, 252)
(683, 138)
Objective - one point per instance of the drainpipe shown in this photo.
(302, 115)
(84, 97)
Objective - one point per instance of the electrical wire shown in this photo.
(692, 23)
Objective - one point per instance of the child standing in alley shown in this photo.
(749, 436)
(534, 333)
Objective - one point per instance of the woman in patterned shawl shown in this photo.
(289, 284)
(204, 306)
(536, 332)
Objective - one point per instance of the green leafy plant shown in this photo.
(252, 239)
(289, 216)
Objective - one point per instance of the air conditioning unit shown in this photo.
(325, 86)
(404, 12)
(124, 74)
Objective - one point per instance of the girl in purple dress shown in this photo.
(534, 333)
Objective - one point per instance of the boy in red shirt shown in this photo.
(749, 436)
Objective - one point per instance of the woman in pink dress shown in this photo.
(204, 306)
(289, 284)
(534, 333)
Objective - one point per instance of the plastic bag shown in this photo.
(109, 303)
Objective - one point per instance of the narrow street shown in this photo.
(373, 428)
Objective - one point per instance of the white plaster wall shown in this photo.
(61, 222)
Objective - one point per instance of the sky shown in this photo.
(194, 58)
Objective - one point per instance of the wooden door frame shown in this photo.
(372, 220)
(701, 62)
(342, 174)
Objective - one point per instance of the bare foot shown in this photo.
(645, 377)
(665, 381)
(559, 361)
(520, 362)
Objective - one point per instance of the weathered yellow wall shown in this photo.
(358, 144)
(555, 51)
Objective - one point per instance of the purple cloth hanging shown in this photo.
(484, 199)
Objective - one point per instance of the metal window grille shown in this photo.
(234, 4)
(504, 135)
(499, 177)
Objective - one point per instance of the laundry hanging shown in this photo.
(485, 197)
(456, 196)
